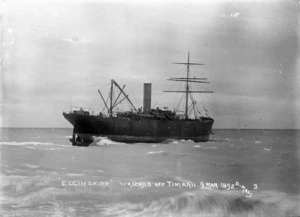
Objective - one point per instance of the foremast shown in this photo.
(187, 79)
(114, 103)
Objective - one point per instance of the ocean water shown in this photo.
(237, 173)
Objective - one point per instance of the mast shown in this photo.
(125, 95)
(187, 86)
(111, 97)
(115, 103)
(187, 79)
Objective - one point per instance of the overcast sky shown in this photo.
(54, 50)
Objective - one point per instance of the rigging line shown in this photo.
(93, 102)
(200, 113)
(113, 96)
(178, 104)
(124, 94)
(106, 101)
(195, 115)
(190, 109)
(120, 101)
(179, 97)
(103, 100)
(118, 96)
(104, 107)
(190, 106)
(203, 106)
(192, 97)
(107, 97)
(193, 103)
(91, 106)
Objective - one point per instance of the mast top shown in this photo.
(188, 62)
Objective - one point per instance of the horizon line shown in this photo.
(212, 129)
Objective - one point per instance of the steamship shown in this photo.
(145, 125)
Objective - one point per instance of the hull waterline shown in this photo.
(86, 127)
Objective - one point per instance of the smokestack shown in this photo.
(147, 97)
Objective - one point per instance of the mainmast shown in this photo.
(187, 86)
(187, 80)
(111, 97)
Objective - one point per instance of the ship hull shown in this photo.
(134, 131)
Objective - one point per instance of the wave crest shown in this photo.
(32, 143)
(104, 141)
(212, 203)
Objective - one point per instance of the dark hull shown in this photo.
(134, 131)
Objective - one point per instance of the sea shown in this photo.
(236, 173)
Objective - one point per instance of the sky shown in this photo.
(57, 53)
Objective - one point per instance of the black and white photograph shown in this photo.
(163, 108)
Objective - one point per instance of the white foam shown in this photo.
(155, 152)
(30, 147)
(210, 203)
(36, 145)
(26, 143)
(213, 147)
(104, 141)
(257, 142)
(52, 149)
(31, 166)
(75, 174)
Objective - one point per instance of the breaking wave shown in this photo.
(104, 141)
(31, 166)
(168, 141)
(38, 148)
(26, 143)
(214, 203)
(31, 193)
(75, 174)
(156, 152)
(33, 143)
(42, 195)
